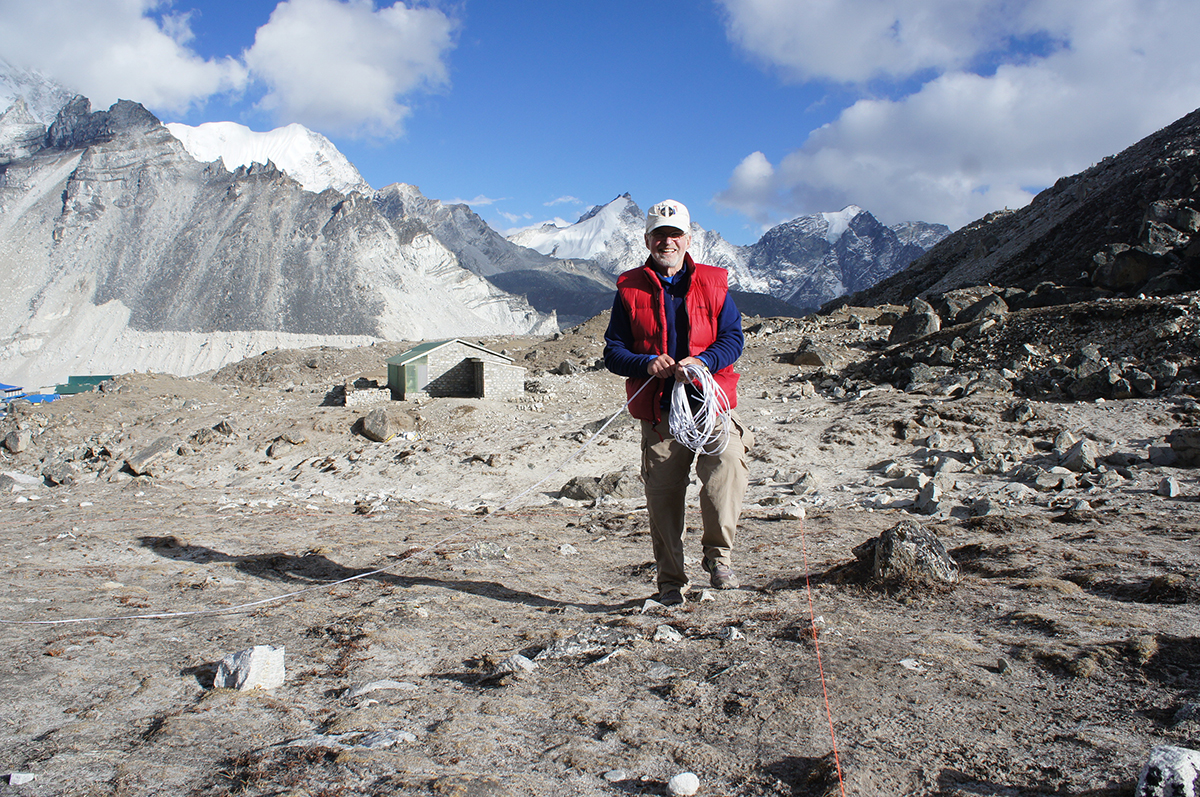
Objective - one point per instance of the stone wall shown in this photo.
(500, 380)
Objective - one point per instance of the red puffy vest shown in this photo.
(642, 294)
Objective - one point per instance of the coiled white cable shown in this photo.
(708, 426)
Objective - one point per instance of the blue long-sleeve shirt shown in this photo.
(619, 354)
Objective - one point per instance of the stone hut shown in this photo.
(454, 368)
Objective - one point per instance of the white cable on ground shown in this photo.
(275, 599)
(707, 430)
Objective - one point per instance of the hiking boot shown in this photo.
(721, 575)
(671, 596)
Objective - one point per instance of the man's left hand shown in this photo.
(680, 375)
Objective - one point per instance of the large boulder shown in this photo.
(909, 555)
(1185, 443)
(378, 426)
(913, 326)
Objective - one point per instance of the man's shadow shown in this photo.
(314, 569)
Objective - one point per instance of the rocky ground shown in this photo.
(1067, 650)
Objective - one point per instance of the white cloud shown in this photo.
(478, 201)
(338, 66)
(563, 200)
(114, 49)
(345, 66)
(1075, 82)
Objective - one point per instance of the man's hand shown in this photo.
(680, 376)
(662, 366)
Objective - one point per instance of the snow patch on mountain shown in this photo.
(613, 235)
(42, 96)
(590, 238)
(307, 157)
(839, 222)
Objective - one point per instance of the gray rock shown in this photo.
(911, 327)
(992, 306)
(621, 484)
(485, 551)
(378, 426)
(1168, 487)
(516, 664)
(259, 667)
(279, 448)
(929, 499)
(384, 685)
(1022, 412)
(1162, 456)
(909, 481)
(666, 633)
(59, 474)
(909, 554)
(1185, 442)
(18, 441)
(1063, 442)
(807, 485)
(984, 506)
(1170, 772)
(581, 488)
(143, 463)
(1188, 712)
(1081, 457)
(811, 353)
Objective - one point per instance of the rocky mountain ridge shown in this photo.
(118, 248)
(1126, 225)
(805, 262)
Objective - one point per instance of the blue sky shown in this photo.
(749, 111)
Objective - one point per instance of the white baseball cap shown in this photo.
(668, 213)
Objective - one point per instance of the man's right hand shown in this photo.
(662, 366)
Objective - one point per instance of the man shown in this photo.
(669, 313)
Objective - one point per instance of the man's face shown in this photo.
(667, 246)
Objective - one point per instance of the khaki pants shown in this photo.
(666, 471)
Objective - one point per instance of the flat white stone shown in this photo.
(259, 667)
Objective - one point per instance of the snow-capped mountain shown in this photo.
(811, 260)
(42, 97)
(805, 262)
(480, 249)
(607, 234)
(613, 236)
(307, 157)
(120, 251)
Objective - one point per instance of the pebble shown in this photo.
(516, 663)
(684, 784)
(616, 775)
(665, 633)
(20, 778)
(402, 686)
